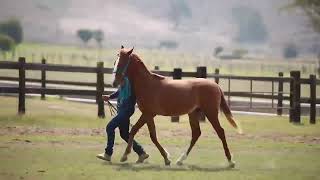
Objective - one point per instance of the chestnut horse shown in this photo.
(158, 95)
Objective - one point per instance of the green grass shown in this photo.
(63, 147)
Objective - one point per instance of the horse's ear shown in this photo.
(131, 50)
(122, 47)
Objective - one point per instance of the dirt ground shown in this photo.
(22, 130)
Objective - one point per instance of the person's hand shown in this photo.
(106, 98)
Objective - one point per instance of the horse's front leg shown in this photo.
(135, 128)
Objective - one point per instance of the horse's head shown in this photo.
(121, 66)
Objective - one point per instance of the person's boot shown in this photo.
(142, 157)
(104, 156)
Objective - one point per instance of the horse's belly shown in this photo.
(175, 106)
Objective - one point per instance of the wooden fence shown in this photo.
(294, 96)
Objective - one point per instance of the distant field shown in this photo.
(58, 139)
(166, 60)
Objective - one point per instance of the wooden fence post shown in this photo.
(291, 99)
(318, 65)
(251, 92)
(177, 74)
(280, 95)
(100, 90)
(43, 81)
(313, 86)
(156, 68)
(295, 95)
(22, 86)
(216, 72)
(202, 73)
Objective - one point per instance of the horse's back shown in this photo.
(175, 97)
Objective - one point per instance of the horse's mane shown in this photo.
(136, 57)
(139, 60)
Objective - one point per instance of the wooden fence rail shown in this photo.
(294, 96)
(59, 82)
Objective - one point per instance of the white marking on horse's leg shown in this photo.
(167, 161)
(232, 163)
(168, 154)
(182, 157)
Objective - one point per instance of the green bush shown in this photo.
(240, 52)
(169, 44)
(13, 29)
(6, 43)
(217, 51)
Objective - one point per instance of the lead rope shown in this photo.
(113, 110)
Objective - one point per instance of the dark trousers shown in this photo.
(122, 121)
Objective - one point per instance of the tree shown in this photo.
(85, 35)
(179, 10)
(251, 28)
(98, 35)
(6, 44)
(290, 51)
(312, 10)
(13, 29)
(217, 51)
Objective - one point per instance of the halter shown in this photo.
(124, 71)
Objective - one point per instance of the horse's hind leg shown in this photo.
(214, 120)
(196, 132)
(153, 136)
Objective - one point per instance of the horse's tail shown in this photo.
(227, 112)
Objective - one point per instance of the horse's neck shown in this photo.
(141, 76)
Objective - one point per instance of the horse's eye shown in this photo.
(118, 55)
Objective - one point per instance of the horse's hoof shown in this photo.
(124, 158)
(183, 157)
(179, 163)
(167, 162)
(232, 164)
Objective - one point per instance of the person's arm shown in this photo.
(111, 96)
(114, 95)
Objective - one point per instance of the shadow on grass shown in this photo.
(153, 167)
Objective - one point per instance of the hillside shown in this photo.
(143, 23)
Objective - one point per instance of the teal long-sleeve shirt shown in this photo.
(126, 97)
